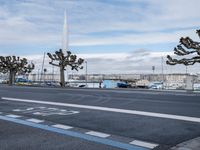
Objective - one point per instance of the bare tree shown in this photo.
(186, 47)
(60, 60)
(14, 65)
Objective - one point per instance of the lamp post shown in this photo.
(186, 69)
(162, 59)
(153, 68)
(42, 67)
(45, 70)
(52, 73)
(86, 73)
(38, 74)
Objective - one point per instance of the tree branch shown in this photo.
(192, 46)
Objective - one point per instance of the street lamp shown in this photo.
(38, 74)
(86, 73)
(45, 70)
(52, 72)
(153, 68)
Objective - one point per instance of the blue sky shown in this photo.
(115, 29)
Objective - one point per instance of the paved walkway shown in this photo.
(193, 144)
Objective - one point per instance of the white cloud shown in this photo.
(139, 61)
(135, 39)
(39, 22)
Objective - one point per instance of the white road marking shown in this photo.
(13, 116)
(98, 134)
(53, 108)
(45, 111)
(133, 112)
(37, 113)
(41, 107)
(63, 110)
(30, 108)
(144, 144)
(61, 126)
(35, 120)
(17, 110)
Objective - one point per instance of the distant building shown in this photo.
(142, 82)
(44, 77)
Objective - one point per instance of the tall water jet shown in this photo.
(65, 38)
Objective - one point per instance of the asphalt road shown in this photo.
(164, 119)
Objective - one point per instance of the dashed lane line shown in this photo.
(105, 141)
(61, 126)
(35, 120)
(13, 116)
(117, 110)
(144, 144)
(98, 134)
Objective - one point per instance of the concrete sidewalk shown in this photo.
(193, 144)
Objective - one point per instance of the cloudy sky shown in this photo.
(114, 36)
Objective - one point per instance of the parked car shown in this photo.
(4, 81)
(196, 86)
(22, 81)
(82, 85)
(156, 85)
(52, 83)
(122, 85)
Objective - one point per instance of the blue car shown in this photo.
(122, 85)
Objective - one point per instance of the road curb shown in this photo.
(193, 144)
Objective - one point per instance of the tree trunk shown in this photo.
(11, 77)
(62, 77)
